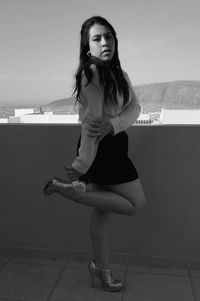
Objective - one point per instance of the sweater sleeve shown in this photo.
(90, 108)
(129, 114)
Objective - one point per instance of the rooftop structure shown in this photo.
(47, 117)
(19, 112)
(143, 119)
(3, 120)
(180, 116)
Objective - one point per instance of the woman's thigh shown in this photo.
(133, 191)
(96, 187)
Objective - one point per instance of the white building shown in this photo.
(180, 116)
(143, 119)
(20, 112)
(48, 117)
(3, 120)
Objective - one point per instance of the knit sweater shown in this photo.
(93, 107)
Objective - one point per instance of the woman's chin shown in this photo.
(106, 58)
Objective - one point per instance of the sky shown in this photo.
(158, 42)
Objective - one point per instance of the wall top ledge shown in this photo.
(78, 124)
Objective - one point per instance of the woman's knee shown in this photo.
(139, 203)
(137, 196)
(136, 204)
(133, 192)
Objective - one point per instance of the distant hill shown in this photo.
(61, 106)
(153, 97)
(169, 95)
(5, 112)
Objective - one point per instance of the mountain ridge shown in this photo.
(180, 94)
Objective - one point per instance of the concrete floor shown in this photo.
(32, 279)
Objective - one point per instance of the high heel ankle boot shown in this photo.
(54, 184)
(105, 275)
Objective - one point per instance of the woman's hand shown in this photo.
(99, 129)
(72, 173)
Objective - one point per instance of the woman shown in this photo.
(107, 107)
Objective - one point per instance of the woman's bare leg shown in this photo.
(99, 223)
(99, 233)
(126, 198)
(132, 191)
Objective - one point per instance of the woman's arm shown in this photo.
(130, 113)
(90, 109)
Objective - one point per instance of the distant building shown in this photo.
(20, 112)
(143, 119)
(3, 120)
(180, 116)
(153, 118)
(47, 117)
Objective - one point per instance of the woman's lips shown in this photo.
(106, 51)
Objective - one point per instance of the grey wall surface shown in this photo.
(167, 159)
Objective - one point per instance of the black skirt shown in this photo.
(112, 164)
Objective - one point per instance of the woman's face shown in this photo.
(101, 42)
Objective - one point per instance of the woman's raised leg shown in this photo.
(131, 191)
(125, 198)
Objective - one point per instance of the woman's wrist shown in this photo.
(111, 130)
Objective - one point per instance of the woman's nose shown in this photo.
(104, 41)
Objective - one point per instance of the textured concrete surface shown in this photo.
(36, 279)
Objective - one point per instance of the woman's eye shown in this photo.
(96, 39)
(109, 37)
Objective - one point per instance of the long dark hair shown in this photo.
(105, 69)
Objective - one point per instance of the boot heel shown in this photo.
(105, 276)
